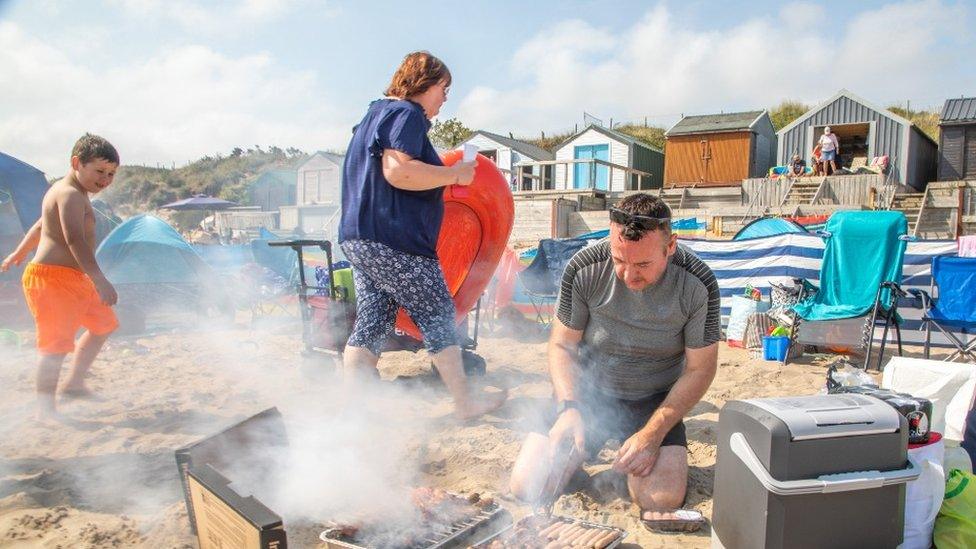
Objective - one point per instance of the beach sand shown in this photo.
(106, 476)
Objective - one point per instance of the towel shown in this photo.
(967, 246)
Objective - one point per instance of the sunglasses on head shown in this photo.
(643, 222)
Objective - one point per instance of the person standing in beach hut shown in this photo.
(392, 207)
(829, 149)
(817, 159)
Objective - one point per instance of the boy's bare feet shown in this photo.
(79, 392)
(475, 406)
(46, 413)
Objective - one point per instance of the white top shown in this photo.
(828, 142)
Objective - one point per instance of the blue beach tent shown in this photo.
(768, 226)
(22, 189)
(146, 250)
(23, 186)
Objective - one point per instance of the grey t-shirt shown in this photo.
(634, 341)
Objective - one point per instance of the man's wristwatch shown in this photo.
(564, 405)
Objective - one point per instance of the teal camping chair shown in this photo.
(859, 283)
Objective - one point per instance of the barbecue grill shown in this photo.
(436, 536)
(621, 534)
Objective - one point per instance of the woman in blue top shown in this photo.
(392, 206)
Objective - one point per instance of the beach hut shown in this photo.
(273, 189)
(719, 149)
(507, 153)
(865, 131)
(318, 179)
(597, 142)
(957, 140)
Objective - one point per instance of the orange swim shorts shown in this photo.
(63, 300)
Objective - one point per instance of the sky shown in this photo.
(170, 81)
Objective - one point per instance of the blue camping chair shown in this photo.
(954, 310)
(859, 283)
(540, 280)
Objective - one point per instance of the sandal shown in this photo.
(683, 520)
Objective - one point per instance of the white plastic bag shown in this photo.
(957, 409)
(923, 496)
(935, 380)
(742, 307)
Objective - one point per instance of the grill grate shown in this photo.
(621, 534)
(440, 536)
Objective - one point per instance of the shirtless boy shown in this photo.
(64, 287)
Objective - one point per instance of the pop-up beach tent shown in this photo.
(146, 250)
(22, 188)
(769, 226)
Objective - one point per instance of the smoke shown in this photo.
(348, 456)
(348, 460)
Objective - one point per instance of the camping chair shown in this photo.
(859, 277)
(954, 310)
(264, 292)
(540, 280)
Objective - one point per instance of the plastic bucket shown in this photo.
(774, 347)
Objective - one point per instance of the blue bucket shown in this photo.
(774, 347)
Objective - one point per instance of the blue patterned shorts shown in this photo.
(387, 279)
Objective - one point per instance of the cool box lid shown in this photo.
(831, 416)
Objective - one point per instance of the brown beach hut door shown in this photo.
(705, 158)
(969, 169)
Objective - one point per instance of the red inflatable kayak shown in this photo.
(477, 222)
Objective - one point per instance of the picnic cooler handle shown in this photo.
(824, 484)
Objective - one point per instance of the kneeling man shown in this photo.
(633, 348)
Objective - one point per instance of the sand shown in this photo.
(106, 477)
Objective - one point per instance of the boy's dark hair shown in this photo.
(645, 205)
(91, 147)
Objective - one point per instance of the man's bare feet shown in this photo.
(479, 405)
(678, 520)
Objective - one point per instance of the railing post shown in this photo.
(960, 193)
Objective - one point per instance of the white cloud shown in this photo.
(654, 68)
(213, 16)
(176, 106)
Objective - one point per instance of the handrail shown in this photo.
(820, 188)
(888, 192)
(890, 186)
(786, 196)
(582, 161)
(759, 194)
(921, 210)
(592, 162)
(328, 227)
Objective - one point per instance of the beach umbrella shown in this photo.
(199, 202)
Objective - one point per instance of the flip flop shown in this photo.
(685, 520)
